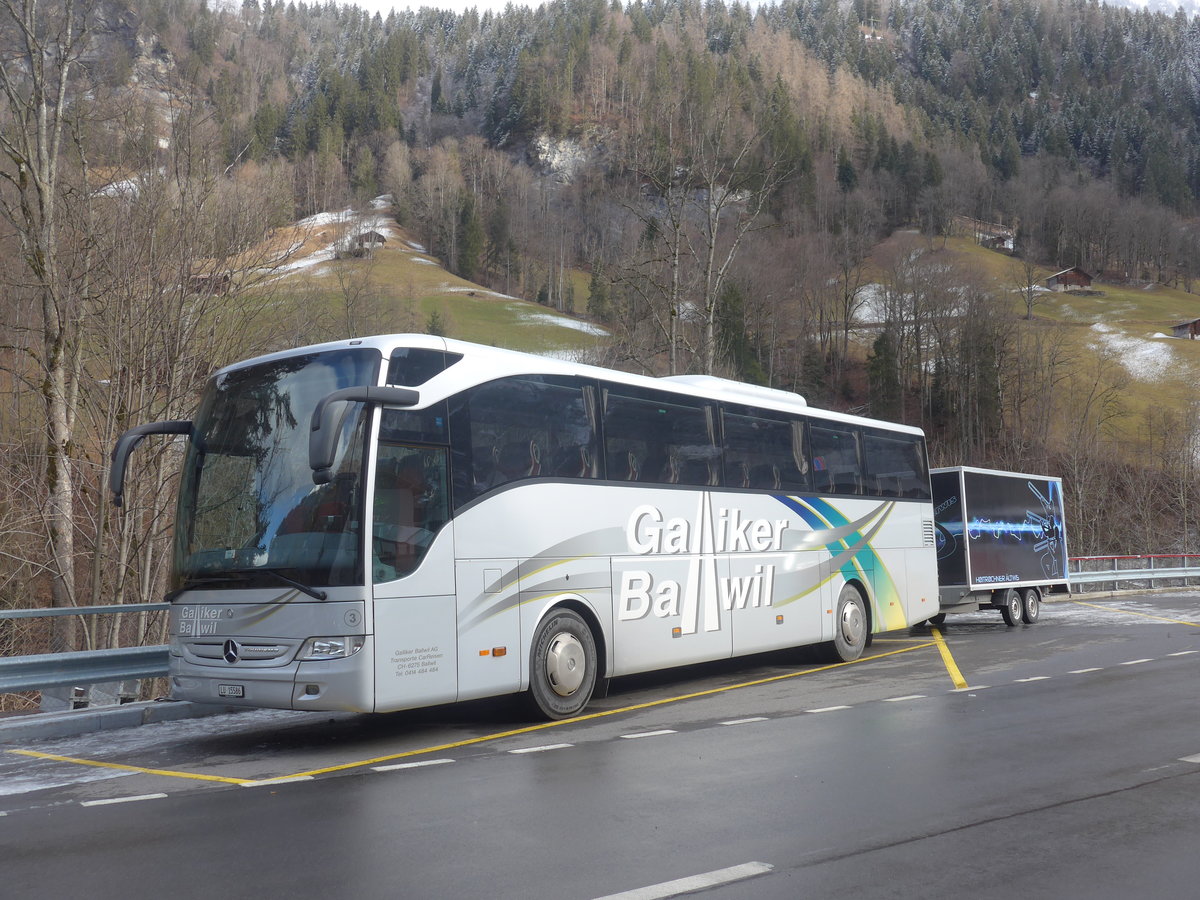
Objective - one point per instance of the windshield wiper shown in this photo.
(303, 588)
(190, 583)
(242, 575)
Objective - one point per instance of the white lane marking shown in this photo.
(541, 749)
(394, 767)
(1134, 662)
(288, 779)
(1184, 653)
(642, 734)
(1033, 678)
(1191, 759)
(901, 699)
(971, 690)
(693, 883)
(827, 709)
(1085, 671)
(121, 800)
(745, 721)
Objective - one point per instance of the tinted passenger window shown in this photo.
(522, 427)
(763, 453)
(658, 438)
(836, 467)
(896, 466)
(413, 366)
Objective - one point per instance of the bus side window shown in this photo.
(762, 453)
(519, 428)
(837, 467)
(895, 465)
(659, 438)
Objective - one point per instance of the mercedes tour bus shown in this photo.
(400, 521)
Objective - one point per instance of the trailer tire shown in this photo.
(851, 627)
(1012, 608)
(1031, 605)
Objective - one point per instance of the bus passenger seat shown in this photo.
(518, 459)
(766, 476)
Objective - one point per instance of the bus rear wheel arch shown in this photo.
(563, 665)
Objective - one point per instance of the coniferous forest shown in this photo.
(736, 186)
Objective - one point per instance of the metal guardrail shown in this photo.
(49, 670)
(83, 667)
(32, 673)
(1092, 571)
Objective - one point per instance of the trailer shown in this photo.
(1001, 541)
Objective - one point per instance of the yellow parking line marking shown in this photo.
(99, 764)
(951, 667)
(500, 735)
(541, 726)
(1131, 612)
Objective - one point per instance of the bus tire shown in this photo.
(936, 620)
(851, 627)
(562, 666)
(1031, 605)
(1012, 608)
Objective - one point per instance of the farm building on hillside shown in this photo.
(359, 245)
(370, 239)
(1187, 329)
(1070, 279)
(986, 234)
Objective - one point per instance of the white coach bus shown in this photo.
(401, 521)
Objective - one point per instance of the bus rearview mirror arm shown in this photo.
(125, 447)
(322, 439)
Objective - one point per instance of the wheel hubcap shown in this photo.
(853, 624)
(566, 664)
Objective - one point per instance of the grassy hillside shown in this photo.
(1120, 332)
(400, 288)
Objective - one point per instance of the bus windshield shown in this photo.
(249, 512)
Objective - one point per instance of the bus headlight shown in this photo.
(318, 648)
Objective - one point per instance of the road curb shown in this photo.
(43, 726)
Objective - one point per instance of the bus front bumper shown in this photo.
(328, 685)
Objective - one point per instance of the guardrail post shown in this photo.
(57, 699)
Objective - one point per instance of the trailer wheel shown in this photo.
(562, 666)
(1013, 608)
(850, 627)
(1031, 603)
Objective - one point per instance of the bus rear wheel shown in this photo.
(851, 628)
(562, 670)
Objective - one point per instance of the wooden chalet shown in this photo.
(1072, 279)
(1189, 330)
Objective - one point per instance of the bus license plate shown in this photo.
(231, 690)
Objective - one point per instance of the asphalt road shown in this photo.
(1069, 766)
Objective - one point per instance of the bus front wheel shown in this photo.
(562, 671)
(851, 629)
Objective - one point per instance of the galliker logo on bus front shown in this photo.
(650, 533)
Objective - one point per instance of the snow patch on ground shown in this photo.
(1146, 358)
(564, 322)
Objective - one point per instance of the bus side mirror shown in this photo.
(322, 439)
(125, 446)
